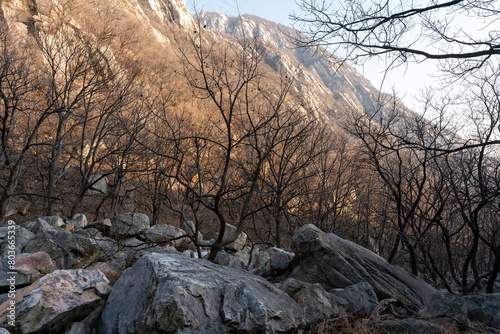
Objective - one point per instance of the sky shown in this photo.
(406, 81)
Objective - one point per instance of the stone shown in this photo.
(360, 297)
(23, 236)
(410, 325)
(169, 293)
(337, 263)
(316, 303)
(163, 233)
(129, 225)
(4, 331)
(481, 307)
(68, 250)
(78, 221)
(239, 243)
(23, 208)
(56, 299)
(190, 229)
(28, 268)
(278, 263)
(229, 260)
(99, 183)
(54, 221)
(78, 328)
(103, 226)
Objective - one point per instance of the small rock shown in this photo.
(100, 183)
(78, 221)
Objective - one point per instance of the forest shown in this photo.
(210, 134)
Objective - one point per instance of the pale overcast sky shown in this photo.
(406, 81)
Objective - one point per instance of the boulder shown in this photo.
(99, 184)
(226, 259)
(163, 233)
(23, 236)
(239, 243)
(39, 225)
(169, 293)
(337, 263)
(28, 269)
(190, 229)
(54, 221)
(68, 250)
(316, 303)
(359, 297)
(484, 308)
(129, 225)
(78, 221)
(103, 226)
(56, 299)
(78, 328)
(275, 262)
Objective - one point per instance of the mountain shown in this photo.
(316, 69)
(151, 29)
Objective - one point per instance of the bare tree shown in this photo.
(22, 113)
(405, 30)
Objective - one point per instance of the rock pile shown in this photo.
(124, 276)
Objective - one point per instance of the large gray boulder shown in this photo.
(169, 293)
(162, 233)
(337, 263)
(27, 267)
(55, 300)
(484, 308)
(23, 236)
(128, 225)
(239, 243)
(68, 250)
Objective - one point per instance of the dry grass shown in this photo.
(350, 324)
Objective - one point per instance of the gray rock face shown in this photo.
(164, 233)
(102, 225)
(100, 183)
(169, 293)
(28, 268)
(49, 304)
(359, 297)
(316, 303)
(129, 225)
(239, 243)
(479, 307)
(68, 250)
(190, 229)
(337, 263)
(23, 236)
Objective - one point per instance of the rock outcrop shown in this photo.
(168, 293)
(58, 298)
(337, 263)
